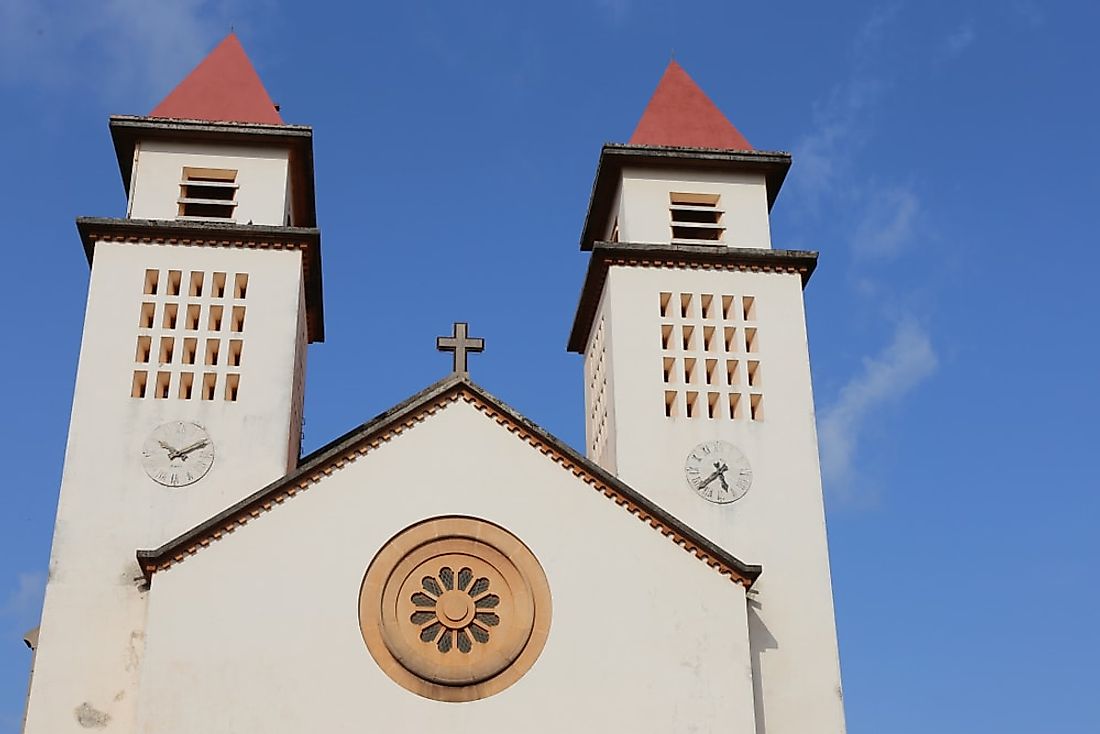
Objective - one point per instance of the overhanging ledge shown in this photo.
(696, 257)
(215, 234)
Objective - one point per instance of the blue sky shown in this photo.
(945, 166)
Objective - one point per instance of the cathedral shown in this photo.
(672, 576)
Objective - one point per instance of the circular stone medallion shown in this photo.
(455, 609)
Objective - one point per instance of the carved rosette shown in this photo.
(455, 609)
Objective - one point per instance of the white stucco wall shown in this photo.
(259, 631)
(780, 523)
(262, 174)
(643, 204)
(92, 633)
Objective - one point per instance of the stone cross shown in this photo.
(460, 344)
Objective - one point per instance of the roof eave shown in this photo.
(127, 130)
(616, 156)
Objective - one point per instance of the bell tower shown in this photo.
(697, 377)
(189, 389)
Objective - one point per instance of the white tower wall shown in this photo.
(91, 643)
(780, 523)
(732, 344)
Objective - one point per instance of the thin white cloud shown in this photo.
(884, 379)
(824, 153)
(961, 39)
(1029, 11)
(888, 225)
(24, 602)
(841, 118)
(881, 218)
(956, 42)
(20, 611)
(874, 29)
(616, 9)
(112, 48)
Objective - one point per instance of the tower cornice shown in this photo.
(128, 130)
(616, 156)
(695, 257)
(216, 234)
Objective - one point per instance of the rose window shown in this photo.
(455, 608)
(452, 617)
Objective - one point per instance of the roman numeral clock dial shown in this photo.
(718, 472)
(177, 454)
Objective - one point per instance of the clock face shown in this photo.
(177, 454)
(718, 472)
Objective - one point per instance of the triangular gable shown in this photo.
(224, 87)
(680, 114)
(362, 440)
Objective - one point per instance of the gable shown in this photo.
(263, 628)
(367, 438)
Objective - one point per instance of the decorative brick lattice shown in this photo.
(190, 341)
(710, 356)
(597, 391)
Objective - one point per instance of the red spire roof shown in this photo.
(680, 114)
(224, 87)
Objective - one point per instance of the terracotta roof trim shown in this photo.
(360, 441)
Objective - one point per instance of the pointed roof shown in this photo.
(406, 416)
(224, 87)
(681, 115)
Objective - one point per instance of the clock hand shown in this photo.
(170, 449)
(720, 470)
(194, 446)
(708, 480)
(182, 453)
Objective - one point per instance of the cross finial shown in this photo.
(460, 344)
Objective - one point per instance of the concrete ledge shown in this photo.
(701, 257)
(216, 234)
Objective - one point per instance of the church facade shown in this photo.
(204, 577)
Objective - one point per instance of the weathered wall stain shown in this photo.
(134, 649)
(90, 717)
